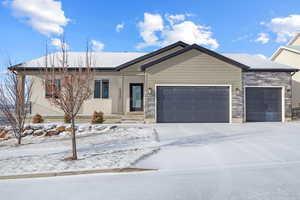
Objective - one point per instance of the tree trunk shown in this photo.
(19, 139)
(74, 150)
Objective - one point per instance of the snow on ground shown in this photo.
(101, 147)
(254, 161)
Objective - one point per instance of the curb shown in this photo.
(69, 173)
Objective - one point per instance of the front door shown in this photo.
(136, 96)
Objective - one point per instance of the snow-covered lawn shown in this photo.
(99, 147)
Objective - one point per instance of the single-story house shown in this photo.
(178, 83)
(290, 55)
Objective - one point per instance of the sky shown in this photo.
(228, 26)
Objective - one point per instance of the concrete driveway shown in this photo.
(194, 146)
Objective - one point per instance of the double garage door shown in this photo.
(192, 104)
(211, 104)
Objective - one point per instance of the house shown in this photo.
(178, 83)
(290, 55)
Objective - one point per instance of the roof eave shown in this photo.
(273, 70)
(107, 69)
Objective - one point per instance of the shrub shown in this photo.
(67, 119)
(97, 118)
(37, 119)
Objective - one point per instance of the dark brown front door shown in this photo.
(136, 96)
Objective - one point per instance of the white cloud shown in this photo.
(97, 45)
(58, 44)
(119, 27)
(148, 28)
(284, 27)
(189, 32)
(155, 33)
(175, 18)
(263, 38)
(45, 16)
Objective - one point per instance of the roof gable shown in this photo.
(152, 54)
(294, 49)
(201, 49)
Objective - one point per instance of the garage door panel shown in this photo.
(192, 104)
(263, 104)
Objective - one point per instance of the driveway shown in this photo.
(197, 161)
(194, 146)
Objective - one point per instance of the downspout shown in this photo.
(122, 93)
(145, 93)
(291, 82)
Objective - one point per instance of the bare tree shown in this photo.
(15, 93)
(68, 84)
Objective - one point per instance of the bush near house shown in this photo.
(37, 119)
(97, 118)
(67, 119)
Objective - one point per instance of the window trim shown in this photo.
(101, 89)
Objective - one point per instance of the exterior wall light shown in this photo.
(150, 91)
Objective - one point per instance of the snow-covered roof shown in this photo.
(112, 60)
(256, 62)
(77, 59)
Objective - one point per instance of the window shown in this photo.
(105, 89)
(52, 88)
(101, 89)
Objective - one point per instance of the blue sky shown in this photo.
(231, 26)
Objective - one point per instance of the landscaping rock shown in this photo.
(113, 127)
(28, 127)
(61, 128)
(28, 132)
(36, 127)
(3, 133)
(69, 129)
(52, 132)
(50, 126)
(7, 137)
(38, 132)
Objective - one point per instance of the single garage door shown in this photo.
(192, 104)
(263, 104)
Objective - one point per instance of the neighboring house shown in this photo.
(179, 83)
(290, 55)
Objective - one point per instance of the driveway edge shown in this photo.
(69, 173)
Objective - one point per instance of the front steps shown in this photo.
(133, 118)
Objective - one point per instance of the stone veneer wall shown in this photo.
(272, 79)
(237, 105)
(149, 106)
